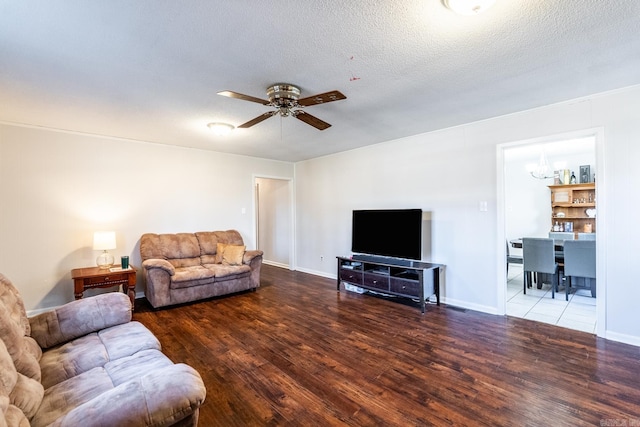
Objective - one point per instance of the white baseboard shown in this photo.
(469, 306)
(277, 264)
(623, 338)
(317, 273)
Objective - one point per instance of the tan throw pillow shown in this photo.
(233, 254)
(219, 251)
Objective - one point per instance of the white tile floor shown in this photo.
(578, 313)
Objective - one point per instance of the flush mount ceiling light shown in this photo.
(468, 7)
(221, 129)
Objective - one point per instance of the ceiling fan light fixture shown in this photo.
(285, 98)
(221, 129)
(468, 7)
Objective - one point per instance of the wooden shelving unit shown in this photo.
(569, 203)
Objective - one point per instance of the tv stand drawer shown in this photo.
(405, 287)
(376, 281)
(351, 276)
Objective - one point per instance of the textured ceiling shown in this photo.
(149, 70)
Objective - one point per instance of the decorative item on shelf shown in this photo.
(104, 241)
(567, 177)
(585, 174)
(560, 215)
(572, 180)
(591, 213)
(568, 226)
(588, 228)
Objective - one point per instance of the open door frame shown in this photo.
(290, 208)
(601, 287)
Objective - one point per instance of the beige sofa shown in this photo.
(87, 364)
(187, 267)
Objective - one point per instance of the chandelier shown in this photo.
(542, 170)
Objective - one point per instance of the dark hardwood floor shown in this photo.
(296, 352)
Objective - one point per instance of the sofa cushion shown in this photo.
(71, 393)
(125, 340)
(227, 272)
(197, 272)
(181, 249)
(208, 241)
(8, 372)
(129, 368)
(21, 382)
(170, 396)
(94, 350)
(27, 395)
(71, 359)
(79, 318)
(14, 305)
(9, 413)
(14, 417)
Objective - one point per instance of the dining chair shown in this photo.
(561, 236)
(586, 236)
(580, 261)
(539, 257)
(512, 259)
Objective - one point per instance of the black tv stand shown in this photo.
(392, 276)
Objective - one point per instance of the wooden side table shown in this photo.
(94, 277)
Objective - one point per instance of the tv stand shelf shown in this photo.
(392, 277)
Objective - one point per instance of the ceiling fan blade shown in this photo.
(258, 119)
(237, 95)
(312, 120)
(321, 98)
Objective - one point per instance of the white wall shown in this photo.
(57, 188)
(449, 172)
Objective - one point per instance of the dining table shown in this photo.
(557, 244)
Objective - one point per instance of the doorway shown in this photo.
(524, 209)
(274, 220)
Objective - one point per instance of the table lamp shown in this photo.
(103, 241)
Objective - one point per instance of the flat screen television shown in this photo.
(393, 233)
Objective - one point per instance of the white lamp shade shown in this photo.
(104, 240)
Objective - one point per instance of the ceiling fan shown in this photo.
(285, 98)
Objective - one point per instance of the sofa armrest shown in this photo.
(80, 317)
(250, 255)
(162, 397)
(159, 263)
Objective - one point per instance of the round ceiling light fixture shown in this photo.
(221, 129)
(468, 7)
